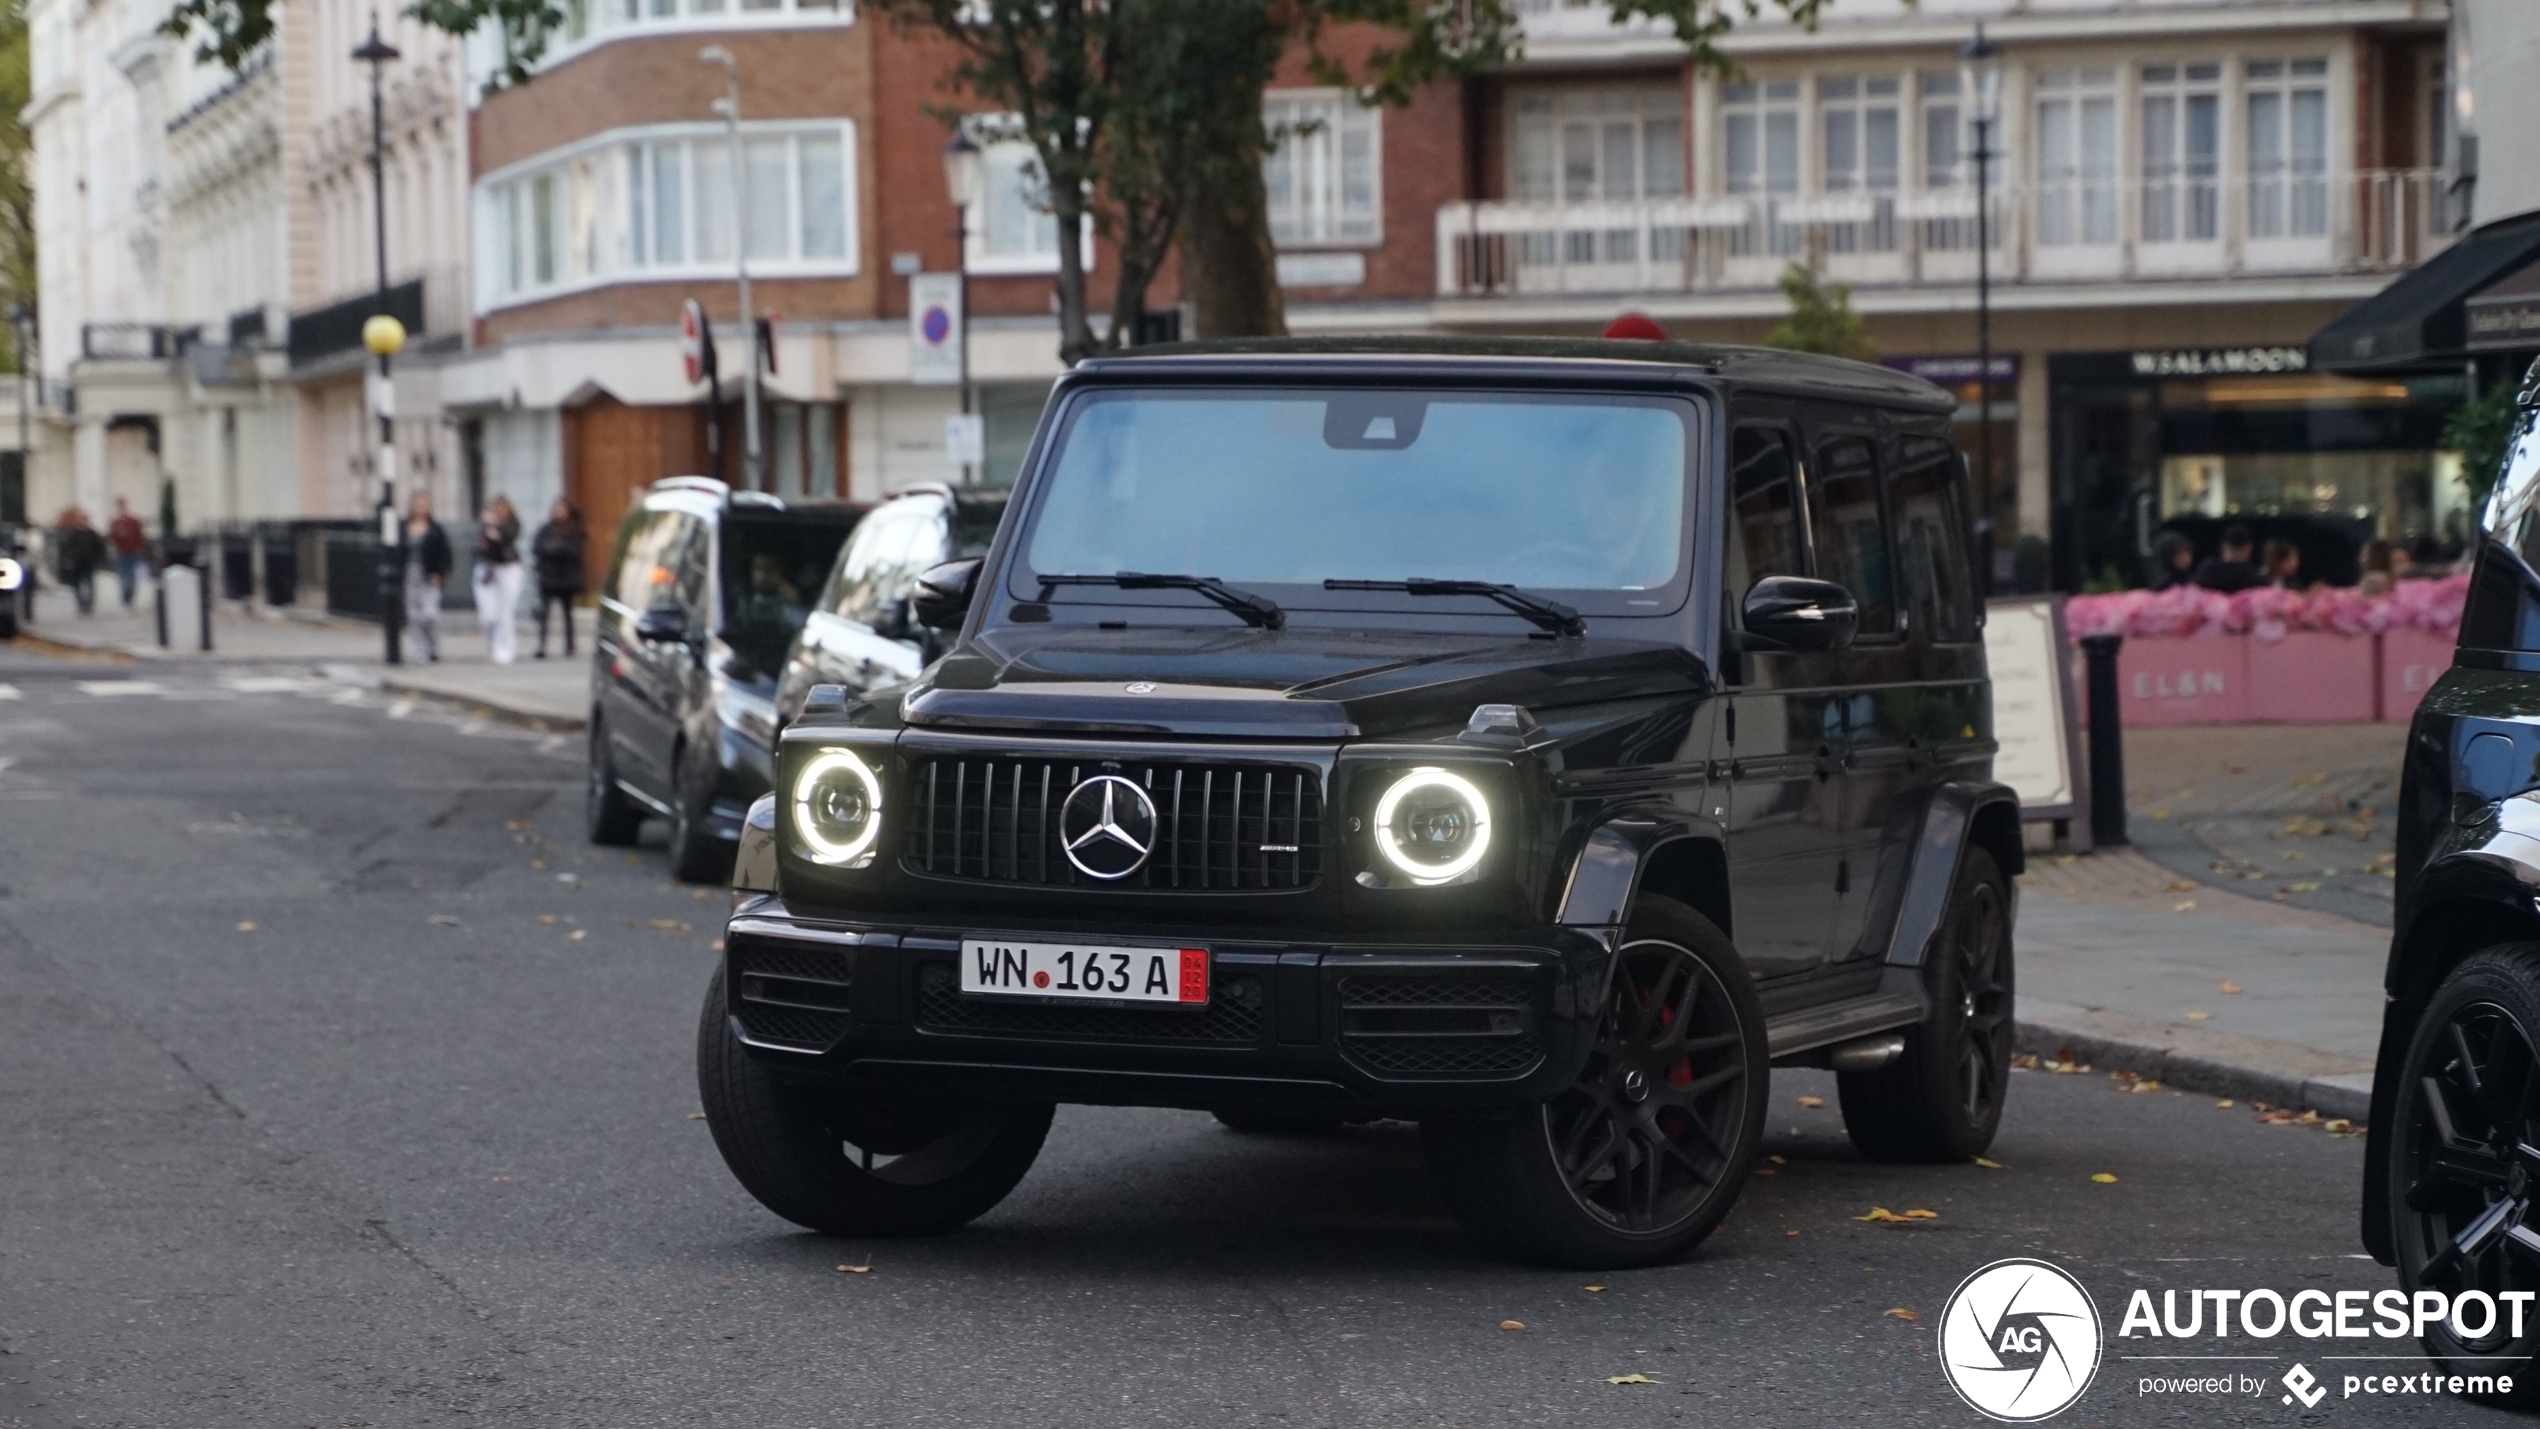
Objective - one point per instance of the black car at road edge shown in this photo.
(2452, 1162)
(705, 591)
(1536, 739)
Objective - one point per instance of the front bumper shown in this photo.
(1290, 1022)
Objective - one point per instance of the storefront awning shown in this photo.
(2421, 318)
(2504, 316)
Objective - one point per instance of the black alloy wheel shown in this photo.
(608, 816)
(1643, 1135)
(1643, 1153)
(2465, 1173)
(1941, 1100)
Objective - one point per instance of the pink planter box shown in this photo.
(2187, 680)
(2312, 677)
(2411, 661)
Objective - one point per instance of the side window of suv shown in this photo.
(1931, 548)
(1764, 508)
(884, 558)
(1851, 529)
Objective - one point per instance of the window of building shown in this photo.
(1578, 144)
(2077, 156)
(2287, 107)
(802, 449)
(1760, 126)
(1014, 230)
(588, 22)
(1860, 135)
(1944, 137)
(1325, 178)
(660, 204)
(2182, 153)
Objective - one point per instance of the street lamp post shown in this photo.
(964, 172)
(1980, 62)
(384, 337)
(729, 106)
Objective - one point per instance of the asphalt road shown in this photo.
(405, 1152)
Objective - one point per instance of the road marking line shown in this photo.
(107, 689)
(8, 692)
(272, 684)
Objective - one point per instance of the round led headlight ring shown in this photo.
(1433, 826)
(837, 807)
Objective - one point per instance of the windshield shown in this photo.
(1280, 490)
(773, 567)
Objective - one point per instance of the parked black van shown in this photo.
(1539, 740)
(863, 632)
(2452, 1166)
(706, 589)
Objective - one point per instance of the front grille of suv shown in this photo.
(1234, 1015)
(1219, 827)
(791, 997)
(1422, 1027)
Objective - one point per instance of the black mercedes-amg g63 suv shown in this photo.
(1539, 740)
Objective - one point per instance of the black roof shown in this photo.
(1756, 366)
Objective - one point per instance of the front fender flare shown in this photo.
(1605, 874)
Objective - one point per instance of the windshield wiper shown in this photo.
(1551, 615)
(1251, 609)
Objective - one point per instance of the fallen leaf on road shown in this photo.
(864, 1269)
(2198, 1016)
(1922, 1215)
(444, 920)
(1512, 1324)
(1901, 1313)
(1792, 1231)
(1763, 1170)
(1988, 1163)
(1777, 1160)
(2308, 1118)
(2182, 885)
(1592, 1289)
(2337, 1126)
(577, 935)
(1883, 1215)
(2160, 815)
(2142, 1087)
(2301, 888)
(2223, 1105)
(248, 926)
(671, 926)
(1812, 1102)
(716, 945)
(2103, 1178)
(502, 1178)
(546, 917)
(696, 1116)
(630, 858)
(2184, 905)
(2228, 986)
(1629, 1379)
(538, 863)
(516, 825)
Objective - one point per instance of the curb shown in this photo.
(543, 722)
(2250, 1068)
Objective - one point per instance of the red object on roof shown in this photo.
(1636, 326)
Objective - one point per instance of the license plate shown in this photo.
(1077, 972)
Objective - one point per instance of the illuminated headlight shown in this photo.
(837, 809)
(1433, 826)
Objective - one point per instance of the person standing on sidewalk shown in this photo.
(77, 549)
(427, 566)
(130, 547)
(557, 549)
(498, 579)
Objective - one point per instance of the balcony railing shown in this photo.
(2282, 224)
(133, 342)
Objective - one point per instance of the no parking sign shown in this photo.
(934, 329)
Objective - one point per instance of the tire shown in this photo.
(1642, 1156)
(696, 855)
(608, 816)
(1279, 1123)
(1942, 1100)
(2468, 1094)
(810, 1154)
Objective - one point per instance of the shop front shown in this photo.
(2197, 441)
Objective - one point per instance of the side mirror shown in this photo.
(942, 600)
(1796, 613)
(666, 625)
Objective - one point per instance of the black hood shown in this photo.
(1283, 684)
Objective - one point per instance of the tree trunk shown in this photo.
(1230, 269)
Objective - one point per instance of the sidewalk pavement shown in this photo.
(552, 694)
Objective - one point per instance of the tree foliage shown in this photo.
(1821, 317)
(2480, 430)
(17, 178)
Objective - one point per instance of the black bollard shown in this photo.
(2107, 741)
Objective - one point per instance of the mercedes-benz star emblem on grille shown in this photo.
(1107, 827)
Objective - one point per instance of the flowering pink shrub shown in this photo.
(2269, 614)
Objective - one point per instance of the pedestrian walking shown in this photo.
(77, 550)
(426, 557)
(557, 549)
(130, 547)
(498, 579)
